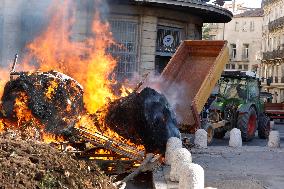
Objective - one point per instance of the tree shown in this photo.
(206, 31)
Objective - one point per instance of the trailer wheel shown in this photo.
(210, 133)
(247, 123)
(264, 127)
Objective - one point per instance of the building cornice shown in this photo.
(207, 12)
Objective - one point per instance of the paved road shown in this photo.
(254, 166)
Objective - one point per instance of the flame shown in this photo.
(51, 138)
(2, 126)
(86, 61)
(4, 76)
(52, 50)
(51, 89)
(21, 109)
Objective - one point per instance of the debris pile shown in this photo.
(31, 164)
(145, 118)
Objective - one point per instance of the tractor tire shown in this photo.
(219, 134)
(210, 133)
(264, 127)
(247, 123)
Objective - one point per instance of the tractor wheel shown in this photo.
(247, 123)
(263, 127)
(219, 134)
(210, 133)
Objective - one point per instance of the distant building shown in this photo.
(150, 30)
(244, 35)
(236, 8)
(272, 66)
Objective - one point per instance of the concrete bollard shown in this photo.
(272, 124)
(235, 138)
(179, 155)
(172, 144)
(274, 139)
(200, 139)
(191, 177)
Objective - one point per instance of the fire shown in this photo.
(21, 109)
(51, 138)
(51, 89)
(2, 126)
(86, 61)
(4, 76)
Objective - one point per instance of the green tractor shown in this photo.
(236, 103)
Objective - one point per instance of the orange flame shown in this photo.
(86, 61)
(50, 138)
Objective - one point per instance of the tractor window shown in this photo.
(253, 89)
(232, 88)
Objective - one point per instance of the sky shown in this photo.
(251, 3)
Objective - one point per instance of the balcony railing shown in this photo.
(273, 54)
(275, 24)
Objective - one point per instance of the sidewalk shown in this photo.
(249, 167)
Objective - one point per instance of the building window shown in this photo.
(125, 34)
(236, 26)
(168, 40)
(246, 67)
(240, 67)
(245, 51)
(251, 26)
(212, 37)
(244, 26)
(233, 51)
(227, 66)
(233, 66)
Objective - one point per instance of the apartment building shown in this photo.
(271, 68)
(244, 34)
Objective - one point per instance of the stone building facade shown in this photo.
(272, 65)
(150, 30)
(244, 35)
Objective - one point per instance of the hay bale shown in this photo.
(145, 118)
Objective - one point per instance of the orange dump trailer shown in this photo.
(196, 66)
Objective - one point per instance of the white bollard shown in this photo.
(191, 177)
(274, 139)
(272, 124)
(235, 138)
(200, 139)
(179, 155)
(173, 143)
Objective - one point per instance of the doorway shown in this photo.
(160, 63)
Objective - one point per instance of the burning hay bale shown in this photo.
(145, 118)
(30, 164)
(52, 97)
